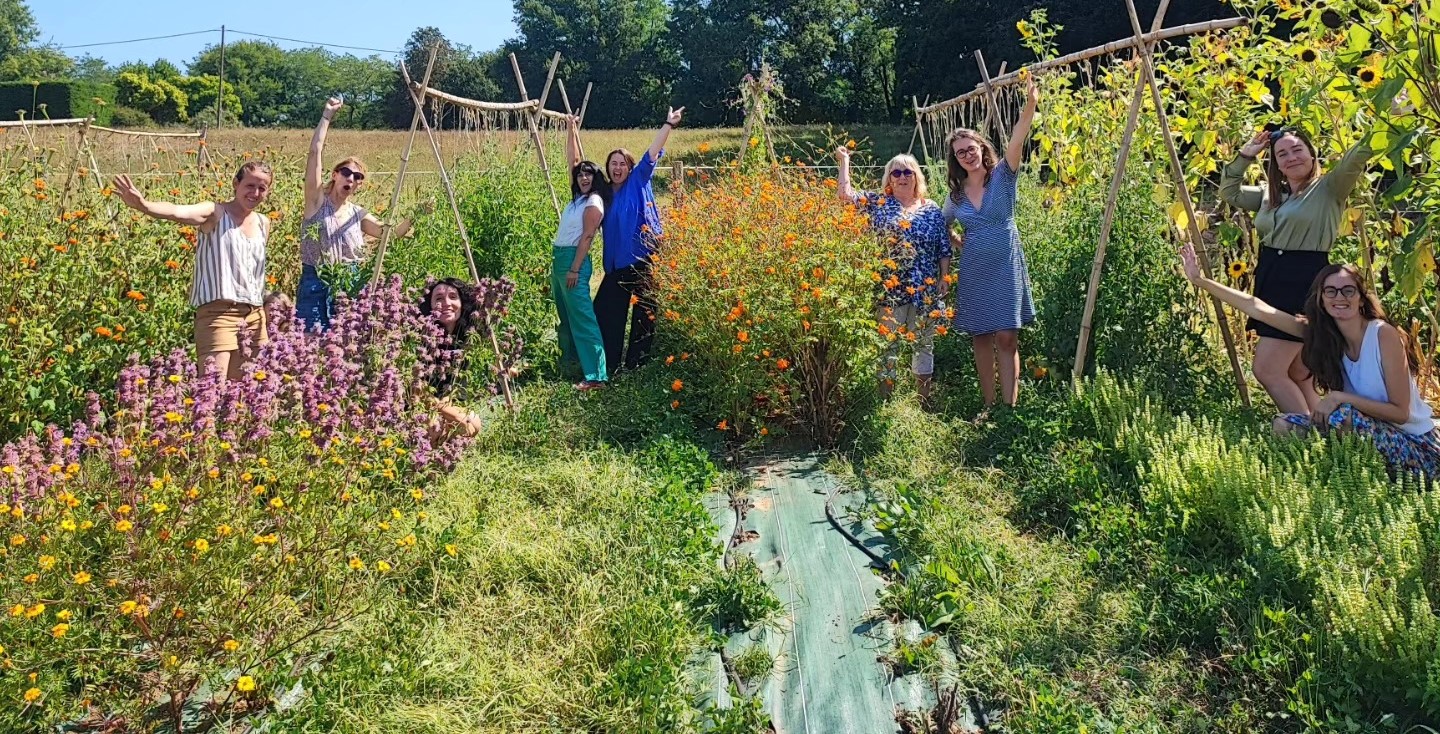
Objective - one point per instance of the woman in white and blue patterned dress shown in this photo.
(992, 293)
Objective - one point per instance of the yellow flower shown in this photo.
(396, 514)
(224, 531)
(1026, 32)
(31, 578)
(174, 379)
(173, 417)
(260, 375)
(305, 433)
(124, 509)
(407, 541)
(382, 566)
(59, 630)
(356, 564)
(451, 550)
(68, 525)
(35, 611)
(277, 503)
(202, 546)
(47, 563)
(17, 540)
(127, 607)
(123, 526)
(417, 494)
(33, 695)
(231, 646)
(64, 615)
(245, 684)
(1238, 268)
(18, 610)
(1372, 73)
(82, 578)
(159, 508)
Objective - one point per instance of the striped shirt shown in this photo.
(229, 266)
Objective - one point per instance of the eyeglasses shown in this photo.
(347, 172)
(1348, 291)
(967, 153)
(901, 173)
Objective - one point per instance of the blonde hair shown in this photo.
(354, 163)
(905, 160)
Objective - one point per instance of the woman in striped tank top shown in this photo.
(334, 228)
(228, 290)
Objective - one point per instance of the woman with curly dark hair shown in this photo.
(1364, 364)
(452, 304)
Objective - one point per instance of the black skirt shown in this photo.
(1283, 279)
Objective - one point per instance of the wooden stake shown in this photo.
(500, 369)
(405, 156)
(565, 98)
(535, 134)
(549, 79)
(1177, 172)
(202, 152)
(992, 114)
(1122, 159)
(924, 149)
(585, 103)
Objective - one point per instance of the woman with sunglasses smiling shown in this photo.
(334, 228)
(1297, 213)
(1366, 365)
(913, 277)
(992, 295)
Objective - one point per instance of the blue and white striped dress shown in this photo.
(992, 292)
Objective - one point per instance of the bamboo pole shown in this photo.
(565, 98)
(27, 124)
(1107, 221)
(141, 134)
(585, 103)
(1013, 77)
(992, 109)
(535, 134)
(500, 369)
(549, 80)
(924, 148)
(405, 156)
(1177, 172)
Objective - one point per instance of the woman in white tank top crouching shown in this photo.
(228, 291)
(1364, 364)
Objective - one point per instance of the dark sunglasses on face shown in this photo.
(1348, 291)
(901, 173)
(351, 174)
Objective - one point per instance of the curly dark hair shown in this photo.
(443, 379)
(598, 183)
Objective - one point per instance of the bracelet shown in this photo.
(667, 124)
(1250, 158)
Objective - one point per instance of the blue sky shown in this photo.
(379, 24)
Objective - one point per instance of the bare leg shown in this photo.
(1273, 360)
(1007, 348)
(1300, 374)
(220, 363)
(985, 366)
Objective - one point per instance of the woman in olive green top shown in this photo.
(1297, 213)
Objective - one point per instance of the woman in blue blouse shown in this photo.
(630, 228)
(913, 275)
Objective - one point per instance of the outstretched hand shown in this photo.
(128, 191)
(1032, 90)
(842, 154)
(1190, 263)
(332, 106)
(673, 116)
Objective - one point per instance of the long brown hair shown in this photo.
(1275, 180)
(1324, 347)
(955, 174)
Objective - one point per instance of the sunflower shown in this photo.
(1372, 73)
(1331, 19)
(1307, 55)
(1238, 268)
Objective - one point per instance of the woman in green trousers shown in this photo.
(579, 334)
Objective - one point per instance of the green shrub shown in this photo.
(129, 117)
(61, 100)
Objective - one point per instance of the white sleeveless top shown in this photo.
(572, 220)
(228, 265)
(1366, 378)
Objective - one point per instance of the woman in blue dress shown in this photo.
(912, 277)
(992, 293)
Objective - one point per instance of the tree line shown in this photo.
(842, 61)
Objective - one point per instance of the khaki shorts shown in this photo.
(217, 326)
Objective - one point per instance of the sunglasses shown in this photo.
(901, 173)
(1280, 133)
(1348, 291)
(351, 174)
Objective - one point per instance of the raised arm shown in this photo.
(573, 150)
(1341, 179)
(192, 214)
(314, 164)
(672, 119)
(1232, 176)
(843, 187)
(1021, 132)
(1246, 303)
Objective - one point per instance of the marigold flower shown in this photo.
(677, 385)
(81, 578)
(231, 646)
(18, 610)
(35, 611)
(782, 363)
(33, 695)
(17, 540)
(356, 564)
(128, 607)
(31, 578)
(59, 630)
(47, 563)
(123, 526)
(135, 295)
(202, 546)
(382, 566)
(245, 684)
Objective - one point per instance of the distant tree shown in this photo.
(39, 63)
(93, 69)
(258, 71)
(17, 28)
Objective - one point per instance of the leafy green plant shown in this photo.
(737, 598)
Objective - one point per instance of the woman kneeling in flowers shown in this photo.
(228, 290)
(913, 276)
(1366, 365)
(452, 304)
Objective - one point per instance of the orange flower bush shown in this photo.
(763, 283)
